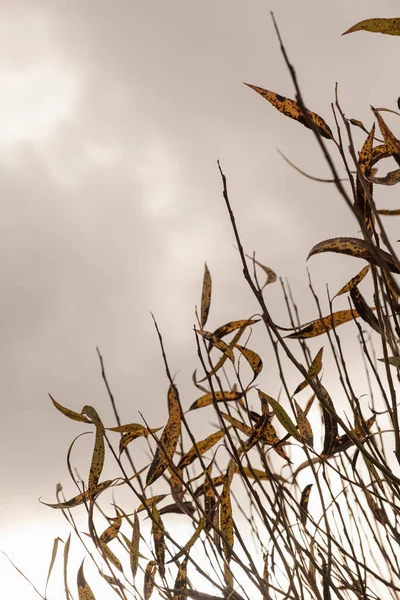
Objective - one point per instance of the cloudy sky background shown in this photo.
(112, 118)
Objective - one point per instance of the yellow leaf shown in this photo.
(157, 531)
(291, 109)
(205, 296)
(232, 326)
(252, 358)
(127, 438)
(181, 579)
(330, 423)
(392, 178)
(169, 439)
(191, 541)
(150, 501)
(109, 554)
(207, 399)
(84, 591)
(200, 448)
(313, 371)
(134, 548)
(354, 281)
(271, 275)
(71, 414)
(246, 429)
(112, 531)
(98, 455)
(320, 326)
(362, 201)
(377, 25)
(304, 426)
(226, 519)
(391, 142)
(149, 575)
(389, 213)
(81, 498)
(357, 248)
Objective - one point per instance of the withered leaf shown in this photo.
(354, 281)
(291, 109)
(207, 399)
(363, 309)
(357, 248)
(202, 447)
(253, 359)
(205, 297)
(313, 371)
(377, 25)
(305, 497)
(320, 326)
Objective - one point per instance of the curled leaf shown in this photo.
(252, 358)
(357, 248)
(354, 281)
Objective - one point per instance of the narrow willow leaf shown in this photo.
(181, 579)
(132, 428)
(364, 187)
(127, 438)
(71, 414)
(223, 358)
(378, 512)
(305, 496)
(309, 404)
(357, 248)
(252, 358)
(330, 423)
(96, 466)
(374, 473)
(169, 439)
(84, 591)
(392, 178)
(149, 576)
(284, 419)
(391, 142)
(52, 561)
(353, 282)
(226, 519)
(205, 296)
(320, 326)
(343, 442)
(82, 498)
(363, 309)
(246, 429)
(271, 275)
(65, 568)
(157, 531)
(185, 508)
(233, 326)
(112, 531)
(109, 554)
(207, 399)
(359, 124)
(217, 343)
(378, 25)
(134, 548)
(149, 502)
(291, 109)
(313, 371)
(379, 153)
(304, 425)
(193, 539)
(202, 447)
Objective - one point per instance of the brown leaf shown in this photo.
(392, 178)
(304, 426)
(98, 455)
(207, 399)
(134, 547)
(313, 371)
(226, 519)
(232, 326)
(363, 309)
(202, 447)
(253, 359)
(291, 109)
(320, 326)
(205, 297)
(169, 438)
(357, 248)
(84, 591)
(149, 576)
(363, 185)
(330, 423)
(391, 142)
(305, 496)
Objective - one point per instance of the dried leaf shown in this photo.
(246, 429)
(112, 531)
(363, 309)
(233, 326)
(284, 418)
(109, 554)
(193, 539)
(313, 371)
(150, 501)
(389, 213)
(81, 498)
(291, 109)
(222, 346)
(253, 359)
(391, 142)
(84, 591)
(392, 360)
(96, 466)
(305, 496)
(271, 275)
(71, 414)
(181, 579)
(134, 547)
(127, 438)
(357, 248)
(149, 576)
(320, 326)
(364, 187)
(392, 178)
(205, 296)
(202, 447)
(304, 425)
(207, 399)
(169, 439)
(226, 519)
(377, 25)
(157, 531)
(354, 281)
(330, 423)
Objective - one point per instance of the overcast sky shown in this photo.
(112, 117)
